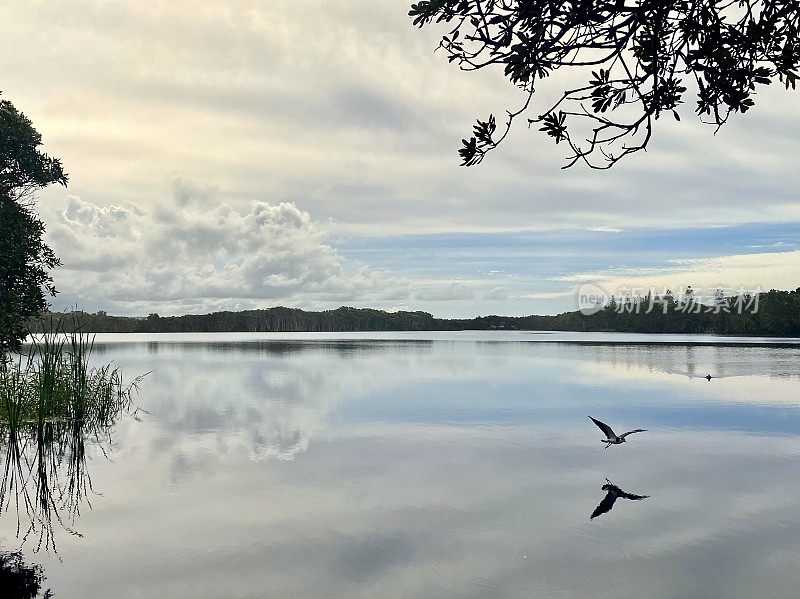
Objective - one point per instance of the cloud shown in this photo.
(545, 295)
(455, 290)
(604, 229)
(346, 110)
(204, 256)
(496, 294)
(773, 270)
(195, 253)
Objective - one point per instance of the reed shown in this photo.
(51, 400)
(55, 380)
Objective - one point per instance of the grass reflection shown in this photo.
(52, 403)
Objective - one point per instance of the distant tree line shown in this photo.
(777, 315)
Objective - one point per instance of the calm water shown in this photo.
(439, 465)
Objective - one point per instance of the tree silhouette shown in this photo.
(24, 258)
(771, 314)
(636, 59)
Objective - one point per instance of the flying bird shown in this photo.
(611, 437)
(613, 492)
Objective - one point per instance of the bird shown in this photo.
(611, 437)
(613, 492)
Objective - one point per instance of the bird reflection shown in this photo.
(613, 492)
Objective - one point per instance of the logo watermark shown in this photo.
(592, 298)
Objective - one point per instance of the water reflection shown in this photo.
(45, 477)
(613, 492)
(697, 375)
(446, 469)
(19, 580)
(272, 399)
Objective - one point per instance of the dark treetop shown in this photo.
(25, 260)
(633, 61)
(24, 168)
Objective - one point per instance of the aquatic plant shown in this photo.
(51, 402)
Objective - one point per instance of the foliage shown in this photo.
(24, 278)
(24, 258)
(636, 59)
(778, 315)
(272, 319)
(23, 167)
(51, 401)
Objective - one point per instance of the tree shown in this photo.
(24, 263)
(636, 59)
(25, 260)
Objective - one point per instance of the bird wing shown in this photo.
(638, 430)
(632, 496)
(604, 427)
(605, 505)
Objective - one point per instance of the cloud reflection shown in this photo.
(448, 469)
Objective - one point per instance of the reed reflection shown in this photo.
(52, 404)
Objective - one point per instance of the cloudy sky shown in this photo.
(239, 154)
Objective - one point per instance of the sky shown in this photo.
(245, 154)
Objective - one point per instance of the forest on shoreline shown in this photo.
(773, 314)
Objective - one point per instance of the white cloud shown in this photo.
(207, 256)
(454, 290)
(496, 294)
(194, 253)
(604, 229)
(343, 107)
(545, 295)
(773, 270)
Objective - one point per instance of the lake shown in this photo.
(437, 465)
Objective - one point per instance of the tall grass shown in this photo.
(56, 381)
(51, 400)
